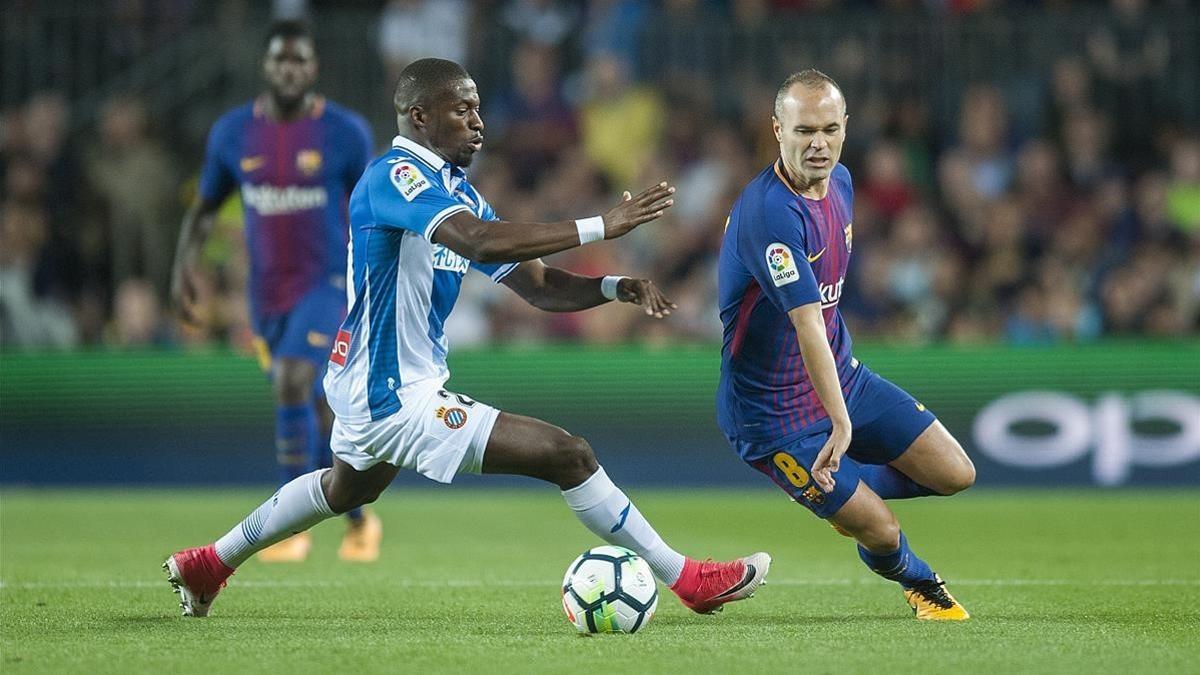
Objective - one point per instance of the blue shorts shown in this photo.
(885, 421)
(306, 332)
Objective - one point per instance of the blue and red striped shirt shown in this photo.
(295, 179)
(780, 251)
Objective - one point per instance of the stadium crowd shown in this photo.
(1060, 206)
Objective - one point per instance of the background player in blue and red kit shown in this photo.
(296, 157)
(792, 399)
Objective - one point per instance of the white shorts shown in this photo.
(437, 434)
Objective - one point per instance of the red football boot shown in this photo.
(705, 586)
(197, 575)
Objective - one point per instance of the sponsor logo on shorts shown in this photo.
(316, 339)
(341, 348)
(455, 418)
(920, 407)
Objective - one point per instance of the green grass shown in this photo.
(1100, 581)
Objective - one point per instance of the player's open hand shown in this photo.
(635, 210)
(829, 460)
(647, 294)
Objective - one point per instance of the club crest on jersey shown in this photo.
(455, 418)
(309, 161)
(408, 179)
(849, 229)
(782, 264)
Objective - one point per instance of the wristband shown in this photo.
(608, 286)
(590, 229)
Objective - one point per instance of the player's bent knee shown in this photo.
(576, 460)
(884, 537)
(959, 479)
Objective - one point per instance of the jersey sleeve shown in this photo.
(496, 271)
(217, 179)
(359, 151)
(775, 252)
(406, 196)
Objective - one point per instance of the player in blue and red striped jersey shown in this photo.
(296, 157)
(792, 400)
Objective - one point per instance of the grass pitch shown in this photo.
(1100, 581)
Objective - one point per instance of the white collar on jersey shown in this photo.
(430, 157)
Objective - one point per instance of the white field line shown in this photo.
(513, 583)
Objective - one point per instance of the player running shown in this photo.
(417, 226)
(790, 391)
(296, 156)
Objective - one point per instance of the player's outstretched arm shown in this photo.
(499, 241)
(557, 290)
(809, 323)
(197, 226)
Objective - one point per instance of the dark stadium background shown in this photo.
(1026, 235)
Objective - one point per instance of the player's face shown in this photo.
(811, 129)
(455, 128)
(290, 67)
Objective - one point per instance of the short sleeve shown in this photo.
(217, 179)
(405, 195)
(359, 150)
(775, 252)
(496, 271)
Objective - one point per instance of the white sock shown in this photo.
(607, 512)
(297, 506)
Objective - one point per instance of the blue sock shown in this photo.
(295, 440)
(326, 460)
(889, 483)
(902, 565)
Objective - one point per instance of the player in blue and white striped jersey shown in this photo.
(417, 226)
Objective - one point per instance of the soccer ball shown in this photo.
(609, 589)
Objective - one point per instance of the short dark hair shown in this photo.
(424, 79)
(287, 29)
(811, 78)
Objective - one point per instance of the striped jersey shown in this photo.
(781, 250)
(402, 286)
(295, 178)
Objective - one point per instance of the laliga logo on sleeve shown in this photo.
(782, 264)
(408, 179)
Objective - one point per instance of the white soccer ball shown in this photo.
(609, 589)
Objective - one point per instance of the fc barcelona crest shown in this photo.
(309, 161)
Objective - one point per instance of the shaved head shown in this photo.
(423, 81)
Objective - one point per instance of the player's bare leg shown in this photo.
(937, 461)
(198, 574)
(529, 447)
(884, 549)
(364, 529)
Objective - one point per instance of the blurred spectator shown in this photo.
(533, 120)
(1183, 192)
(137, 320)
(621, 121)
(25, 319)
(134, 176)
(546, 22)
(1058, 201)
(415, 29)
